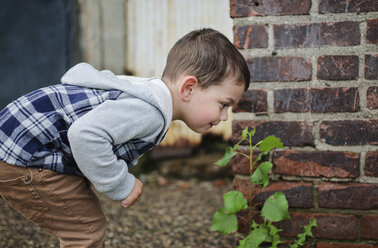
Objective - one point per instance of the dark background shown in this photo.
(36, 45)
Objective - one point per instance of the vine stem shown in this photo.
(250, 188)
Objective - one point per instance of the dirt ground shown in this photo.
(171, 213)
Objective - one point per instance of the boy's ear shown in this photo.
(187, 85)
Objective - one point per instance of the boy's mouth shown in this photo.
(209, 126)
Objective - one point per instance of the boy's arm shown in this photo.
(93, 135)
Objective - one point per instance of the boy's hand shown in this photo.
(134, 195)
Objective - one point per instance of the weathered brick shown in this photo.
(346, 6)
(372, 31)
(371, 66)
(251, 36)
(298, 194)
(244, 219)
(330, 226)
(242, 8)
(282, 69)
(349, 132)
(240, 164)
(291, 133)
(348, 195)
(372, 97)
(254, 101)
(371, 164)
(369, 228)
(343, 245)
(317, 163)
(337, 67)
(318, 100)
(317, 34)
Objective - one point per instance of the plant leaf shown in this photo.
(301, 237)
(245, 133)
(273, 232)
(254, 239)
(270, 143)
(227, 157)
(276, 207)
(260, 156)
(234, 201)
(261, 174)
(254, 225)
(307, 231)
(223, 222)
(253, 132)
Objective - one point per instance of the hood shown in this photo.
(151, 90)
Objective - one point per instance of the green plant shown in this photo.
(274, 209)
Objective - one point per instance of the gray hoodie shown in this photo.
(133, 123)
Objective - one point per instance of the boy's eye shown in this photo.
(225, 105)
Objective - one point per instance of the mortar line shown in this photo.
(305, 19)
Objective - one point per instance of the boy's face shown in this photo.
(207, 107)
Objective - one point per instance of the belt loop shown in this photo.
(29, 179)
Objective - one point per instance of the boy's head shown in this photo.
(209, 56)
(206, 75)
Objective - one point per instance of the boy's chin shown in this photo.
(202, 130)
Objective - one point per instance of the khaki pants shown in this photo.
(62, 205)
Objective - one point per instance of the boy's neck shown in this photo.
(175, 101)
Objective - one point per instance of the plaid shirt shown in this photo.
(33, 128)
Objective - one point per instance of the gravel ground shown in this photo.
(171, 213)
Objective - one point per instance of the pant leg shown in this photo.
(62, 205)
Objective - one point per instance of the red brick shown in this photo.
(343, 245)
(371, 66)
(317, 100)
(242, 8)
(335, 226)
(282, 69)
(244, 219)
(253, 101)
(346, 6)
(371, 164)
(251, 36)
(317, 34)
(369, 227)
(298, 194)
(240, 164)
(372, 97)
(317, 163)
(291, 133)
(337, 67)
(348, 195)
(330, 226)
(349, 132)
(372, 31)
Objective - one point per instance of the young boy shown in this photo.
(95, 125)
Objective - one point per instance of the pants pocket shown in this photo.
(17, 189)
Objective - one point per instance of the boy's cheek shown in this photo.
(206, 117)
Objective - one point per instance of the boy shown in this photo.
(95, 125)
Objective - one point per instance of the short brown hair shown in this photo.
(209, 56)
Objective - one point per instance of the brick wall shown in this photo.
(314, 72)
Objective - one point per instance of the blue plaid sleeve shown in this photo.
(33, 128)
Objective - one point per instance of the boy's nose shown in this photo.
(223, 116)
